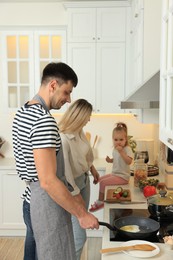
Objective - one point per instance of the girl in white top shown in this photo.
(122, 158)
(78, 159)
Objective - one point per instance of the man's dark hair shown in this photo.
(60, 71)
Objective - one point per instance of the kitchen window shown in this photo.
(24, 55)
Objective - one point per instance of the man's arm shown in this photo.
(45, 160)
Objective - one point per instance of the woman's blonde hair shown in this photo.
(75, 116)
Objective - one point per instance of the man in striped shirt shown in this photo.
(39, 161)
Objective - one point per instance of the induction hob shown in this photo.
(166, 225)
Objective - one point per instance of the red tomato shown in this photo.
(118, 196)
(149, 190)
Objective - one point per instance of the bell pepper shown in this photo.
(149, 190)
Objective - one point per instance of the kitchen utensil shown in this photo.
(170, 156)
(147, 226)
(95, 140)
(138, 253)
(153, 170)
(161, 204)
(142, 155)
(88, 136)
(142, 247)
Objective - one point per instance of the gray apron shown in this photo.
(51, 223)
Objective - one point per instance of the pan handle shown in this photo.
(106, 225)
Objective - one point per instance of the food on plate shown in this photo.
(131, 228)
(149, 191)
(120, 192)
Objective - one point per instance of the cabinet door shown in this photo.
(136, 47)
(11, 217)
(94, 193)
(81, 25)
(110, 77)
(166, 79)
(17, 61)
(24, 55)
(96, 24)
(111, 24)
(81, 56)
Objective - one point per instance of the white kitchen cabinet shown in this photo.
(97, 52)
(101, 72)
(11, 214)
(166, 75)
(145, 35)
(94, 193)
(96, 24)
(24, 55)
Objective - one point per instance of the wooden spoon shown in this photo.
(142, 247)
(88, 136)
(95, 140)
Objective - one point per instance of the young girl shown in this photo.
(122, 158)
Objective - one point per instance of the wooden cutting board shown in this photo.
(111, 199)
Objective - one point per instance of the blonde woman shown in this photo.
(78, 158)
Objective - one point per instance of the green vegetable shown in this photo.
(148, 182)
(125, 194)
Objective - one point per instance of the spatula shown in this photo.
(142, 247)
(88, 136)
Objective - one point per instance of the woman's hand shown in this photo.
(95, 174)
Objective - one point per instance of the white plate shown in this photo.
(139, 253)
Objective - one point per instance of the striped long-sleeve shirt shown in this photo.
(33, 128)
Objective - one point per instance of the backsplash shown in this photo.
(101, 125)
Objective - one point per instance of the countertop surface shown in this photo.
(99, 163)
(137, 195)
(7, 164)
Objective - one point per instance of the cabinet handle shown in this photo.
(171, 9)
(170, 141)
(98, 38)
(11, 173)
(165, 17)
(136, 15)
(94, 38)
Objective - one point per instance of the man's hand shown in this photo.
(88, 221)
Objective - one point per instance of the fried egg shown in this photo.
(131, 228)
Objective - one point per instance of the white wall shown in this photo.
(99, 125)
(37, 14)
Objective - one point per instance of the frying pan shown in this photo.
(148, 227)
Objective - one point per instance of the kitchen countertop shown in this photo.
(7, 164)
(136, 195)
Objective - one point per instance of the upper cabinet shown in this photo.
(145, 35)
(166, 75)
(96, 24)
(97, 52)
(24, 55)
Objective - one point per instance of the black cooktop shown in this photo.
(166, 225)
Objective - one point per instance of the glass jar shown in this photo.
(140, 171)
